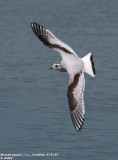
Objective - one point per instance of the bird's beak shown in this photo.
(50, 68)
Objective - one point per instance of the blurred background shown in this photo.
(34, 112)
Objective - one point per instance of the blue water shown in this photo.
(34, 112)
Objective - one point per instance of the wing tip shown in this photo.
(81, 126)
(77, 124)
(34, 25)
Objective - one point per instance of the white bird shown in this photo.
(75, 67)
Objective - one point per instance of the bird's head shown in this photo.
(57, 66)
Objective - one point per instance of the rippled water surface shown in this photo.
(34, 112)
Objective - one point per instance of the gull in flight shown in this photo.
(74, 66)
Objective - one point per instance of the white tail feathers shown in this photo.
(89, 64)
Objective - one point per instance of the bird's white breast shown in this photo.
(73, 64)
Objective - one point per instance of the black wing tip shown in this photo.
(33, 24)
(81, 127)
(38, 29)
(78, 126)
(34, 27)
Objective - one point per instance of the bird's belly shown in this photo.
(73, 64)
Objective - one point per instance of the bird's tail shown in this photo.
(89, 66)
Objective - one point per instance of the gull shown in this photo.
(74, 66)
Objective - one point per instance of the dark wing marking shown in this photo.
(93, 66)
(48, 38)
(75, 99)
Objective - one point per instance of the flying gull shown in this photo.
(74, 66)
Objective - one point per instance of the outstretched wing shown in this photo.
(48, 38)
(75, 98)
